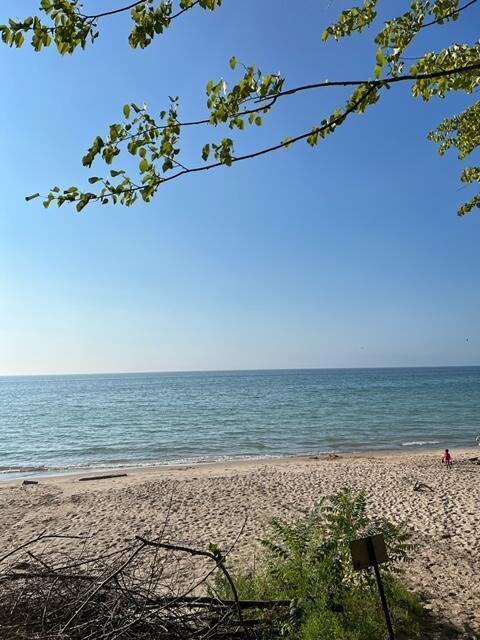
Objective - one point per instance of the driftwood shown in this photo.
(26, 482)
(133, 592)
(106, 477)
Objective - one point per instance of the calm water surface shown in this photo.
(66, 422)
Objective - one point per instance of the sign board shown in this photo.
(366, 550)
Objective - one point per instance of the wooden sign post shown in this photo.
(370, 552)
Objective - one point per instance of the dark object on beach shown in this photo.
(421, 486)
(112, 475)
(29, 482)
(333, 456)
(475, 460)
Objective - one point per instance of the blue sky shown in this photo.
(350, 254)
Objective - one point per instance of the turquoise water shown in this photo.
(67, 422)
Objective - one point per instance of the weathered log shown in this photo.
(106, 477)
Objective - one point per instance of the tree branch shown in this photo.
(449, 15)
(307, 87)
(196, 123)
(376, 83)
(286, 143)
(113, 11)
(132, 6)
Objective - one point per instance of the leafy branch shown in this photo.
(156, 141)
(69, 28)
(153, 142)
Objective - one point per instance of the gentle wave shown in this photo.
(19, 472)
(8, 470)
(63, 424)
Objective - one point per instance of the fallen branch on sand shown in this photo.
(138, 591)
(106, 477)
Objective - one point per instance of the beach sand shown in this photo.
(209, 503)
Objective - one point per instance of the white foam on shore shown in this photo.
(9, 473)
(419, 443)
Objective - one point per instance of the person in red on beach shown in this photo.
(447, 458)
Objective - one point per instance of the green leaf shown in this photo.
(94, 179)
(126, 110)
(32, 197)
(19, 39)
(380, 56)
(233, 63)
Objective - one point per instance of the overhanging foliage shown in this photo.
(157, 140)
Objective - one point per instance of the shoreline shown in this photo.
(212, 502)
(248, 462)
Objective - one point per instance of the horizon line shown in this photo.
(239, 370)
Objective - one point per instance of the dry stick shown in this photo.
(122, 630)
(45, 606)
(206, 601)
(127, 617)
(165, 522)
(24, 575)
(39, 560)
(84, 546)
(44, 564)
(219, 622)
(117, 633)
(95, 559)
(42, 536)
(102, 584)
(12, 610)
(209, 573)
(219, 562)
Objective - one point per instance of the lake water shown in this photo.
(59, 423)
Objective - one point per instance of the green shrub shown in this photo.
(309, 562)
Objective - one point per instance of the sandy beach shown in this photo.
(209, 503)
